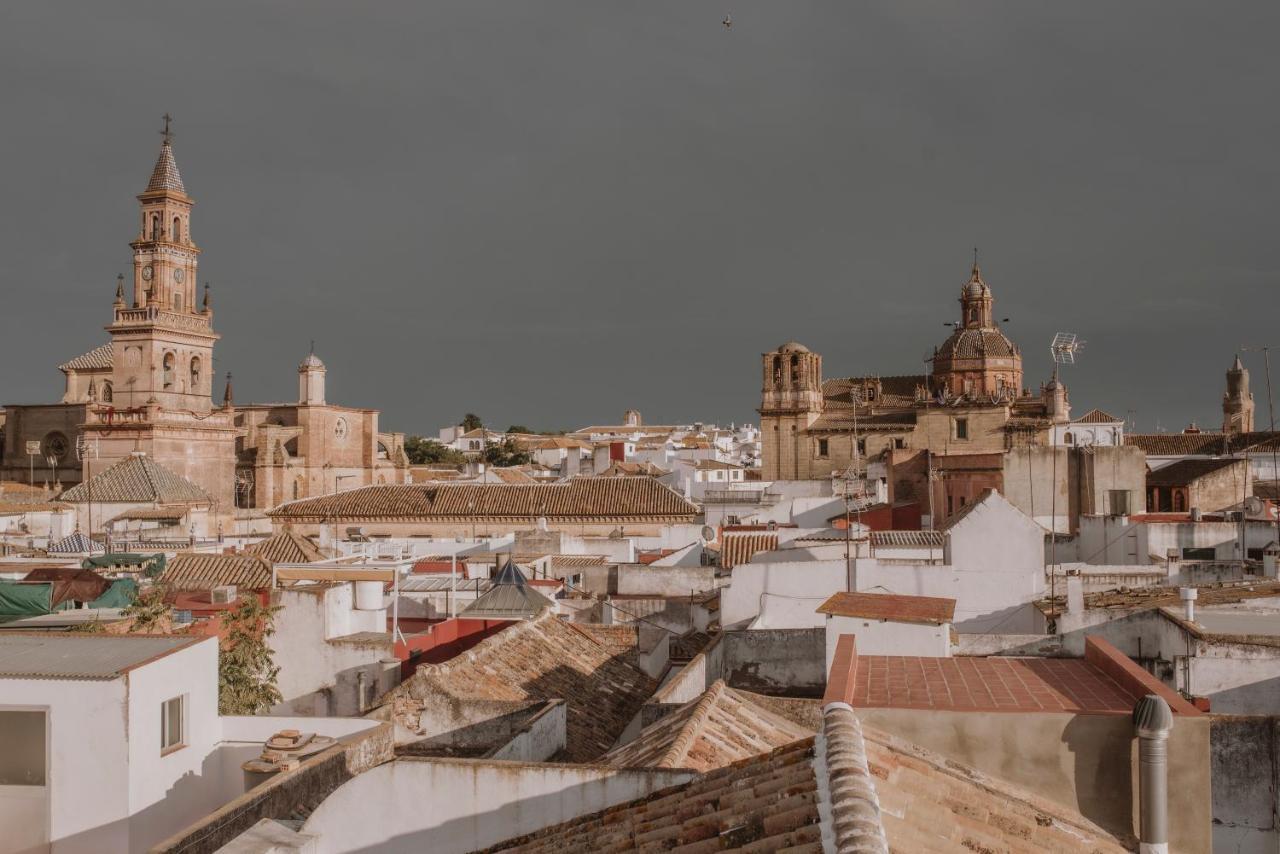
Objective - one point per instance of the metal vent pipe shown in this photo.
(1152, 722)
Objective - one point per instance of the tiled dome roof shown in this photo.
(976, 344)
(793, 347)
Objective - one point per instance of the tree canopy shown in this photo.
(422, 451)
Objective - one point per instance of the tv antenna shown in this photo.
(1064, 348)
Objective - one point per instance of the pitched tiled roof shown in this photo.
(191, 571)
(720, 727)
(1096, 416)
(1201, 444)
(1185, 471)
(165, 176)
(288, 546)
(541, 659)
(581, 497)
(138, 478)
(76, 543)
(95, 360)
(931, 610)
(847, 791)
(740, 548)
(894, 391)
(923, 539)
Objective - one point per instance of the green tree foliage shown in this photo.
(423, 452)
(520, 428)
(150, 612)
(471, 421)
(246, 672)
(506, 453)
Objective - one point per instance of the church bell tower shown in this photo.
(1237, 403)
(162, 343)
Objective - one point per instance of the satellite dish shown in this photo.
(708, 533)
(1254, 505)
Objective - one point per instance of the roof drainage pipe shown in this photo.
(1152, 721)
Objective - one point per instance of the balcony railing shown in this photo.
(151, 314)
(740, 496)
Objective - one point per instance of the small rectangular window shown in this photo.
(862, 446)
(22, 748)
(1189, 553)
(823, 447)
(1119, 500)
(900, 443)
(171, 724)
(962, 428)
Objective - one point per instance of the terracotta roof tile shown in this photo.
(137, 478)
(581, 497)
(192, 571)
(1201, 444)
(1185, 471)
(931, 610)
(740, 548)
(922, 539)
(1096, 416)
(97, 359)
(878, 794)
(720, 727)
(288, 546)
(541, 659)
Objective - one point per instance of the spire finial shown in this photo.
(313, 346)
(976, 271)
(226, 394)
(166, 133)
(120, 287)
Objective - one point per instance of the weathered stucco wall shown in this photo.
(776, 661)
(1245, 758)
(1087, 763)
(458, 805)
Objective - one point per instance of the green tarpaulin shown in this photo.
(120, 594)
(24, 600)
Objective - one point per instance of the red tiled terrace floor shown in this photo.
(988, 684)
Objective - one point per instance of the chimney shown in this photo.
(1195, 514)
(1152, 721)
(1188, 596)
(1075, 594)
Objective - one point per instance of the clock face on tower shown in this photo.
(179, 275)
(147, 273)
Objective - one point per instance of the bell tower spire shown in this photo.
(164, 255)
(162, 343)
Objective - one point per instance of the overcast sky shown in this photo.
(547, 212)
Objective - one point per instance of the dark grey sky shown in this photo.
(549, 211)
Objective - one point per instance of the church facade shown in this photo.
(150, 390)
(971, 405)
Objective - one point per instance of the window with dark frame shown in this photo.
(171, 724)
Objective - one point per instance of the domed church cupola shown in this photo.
(977, 360)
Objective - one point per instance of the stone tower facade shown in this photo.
(791, 400)
(162, 344)
(162, 352)
(1237, 403)
(311, 381)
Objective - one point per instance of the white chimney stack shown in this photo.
(1188, 596)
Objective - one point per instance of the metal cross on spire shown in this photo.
(166, 133)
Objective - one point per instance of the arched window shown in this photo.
(297, 489)
(177, 301)
(155, 226)
(106, 392)
(168, 370)
(795, 370)
(177, 230)
(195, 373)
(1179, 502)
(777, 370)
